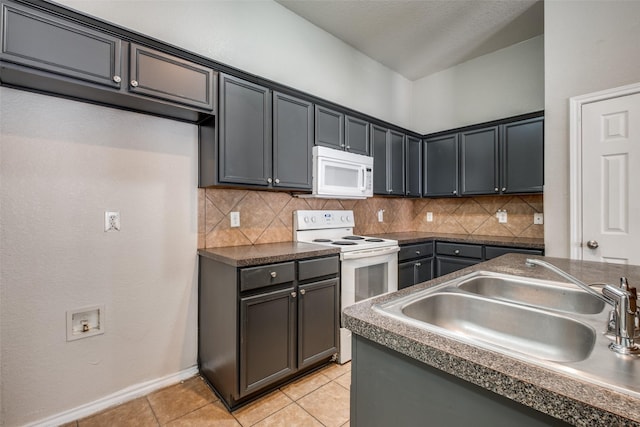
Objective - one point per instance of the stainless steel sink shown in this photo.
(533, 332)
(537, 293)
(545, 323)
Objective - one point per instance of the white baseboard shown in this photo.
(114, 399)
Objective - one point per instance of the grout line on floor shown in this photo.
(151, 407)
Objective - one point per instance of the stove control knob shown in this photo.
(348, 218)
(306, 219)
(342, 218)
(313, 219)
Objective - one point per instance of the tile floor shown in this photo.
(318, 399)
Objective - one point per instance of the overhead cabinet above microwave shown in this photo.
(53, 54)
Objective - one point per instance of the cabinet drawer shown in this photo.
(459, 249)
(266, 275)
(308, 269)
(495, 251)
(415, 251)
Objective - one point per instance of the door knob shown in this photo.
(592, 244)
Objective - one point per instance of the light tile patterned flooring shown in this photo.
(318, 399)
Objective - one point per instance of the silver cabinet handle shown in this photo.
(496, 189)
(455, 191)
(417, 264)
(457, 252)
(302, 292)
(417, 252)
(117, 79)
(269, 180)
(293, 294)
(504, 188)
(342, 145)
(273, 274)
(134, 83)
(277, 181)
(592, 244)
(348, 147)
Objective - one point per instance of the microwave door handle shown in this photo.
(363, 185)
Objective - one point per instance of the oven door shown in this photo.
(367, 274)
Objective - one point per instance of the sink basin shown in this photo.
(529, 331)
(537, 293)
(545, 323)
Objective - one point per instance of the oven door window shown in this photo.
(371, 281)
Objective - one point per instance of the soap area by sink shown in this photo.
(508, 330)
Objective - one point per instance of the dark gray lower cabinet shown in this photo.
(491, 252)
(446, 265)
(391, 389)
(260, 326)
(267, 339)
(415, 264)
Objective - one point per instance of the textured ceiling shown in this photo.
(420, 37)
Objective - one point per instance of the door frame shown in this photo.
(575, 158)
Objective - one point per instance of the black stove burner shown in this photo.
(344, 243)
(353, 237)
(322, 240)
(374, 240)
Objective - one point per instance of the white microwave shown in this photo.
(341, 175)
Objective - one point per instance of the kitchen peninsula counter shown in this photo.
(571, 399)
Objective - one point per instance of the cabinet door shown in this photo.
(405, 275)
(329, 128)
(413, 164)
(267, 339)
(318, 321)
(396, 163)
(292, 142)
(36, 39)
(446, 265)
(423, 270)
(356, 135)
(479, 161)
(244, 132)
(523, 156)
(156, 74)
(380, 156)
(441, 166)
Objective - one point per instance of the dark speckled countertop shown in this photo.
(268, 253)
(408, 237)
(570, 398)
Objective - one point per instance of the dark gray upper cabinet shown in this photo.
(523, 156)
(244, 148)
(441, 166)
(413, 164)
(356, 135)
(329, 128)
(380, 155)
(45, 52)
(292, 142)
(46, 42)
(156, 74)
(388, 161)
(479, 161)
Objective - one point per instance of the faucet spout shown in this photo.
(530, 262)
(623, 300)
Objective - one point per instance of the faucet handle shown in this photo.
(624, 284)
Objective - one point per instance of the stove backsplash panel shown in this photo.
(267, 217)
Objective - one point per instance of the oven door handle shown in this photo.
(370, 253)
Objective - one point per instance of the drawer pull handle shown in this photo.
(457, 252)
(417, 252)
(117, 79)
(273, 274)
(417, 264)
(302, 291)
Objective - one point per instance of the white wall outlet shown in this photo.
(502, 216)
(538, 218)
(85, 322)
(429, 217)
(235, 219)
(381, 215)
(111, 221)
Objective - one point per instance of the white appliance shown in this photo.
(369, 265)
(340, 175)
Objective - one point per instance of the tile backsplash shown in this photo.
(267, 217)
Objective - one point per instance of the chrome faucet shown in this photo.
(625, 313)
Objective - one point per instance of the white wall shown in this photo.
(64, 163)
(504, 83)
(589, 46)
(261, 37)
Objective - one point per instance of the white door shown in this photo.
(611, 180)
